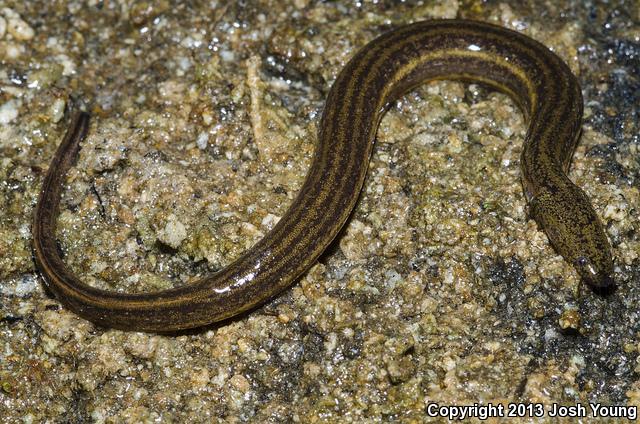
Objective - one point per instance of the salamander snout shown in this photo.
(597, 276)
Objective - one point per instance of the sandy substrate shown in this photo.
(204, 121)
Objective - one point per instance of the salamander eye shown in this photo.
(585, 267)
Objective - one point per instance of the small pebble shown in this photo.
(3, 26)
(240, 383)
(143, 12)
(199, 378)
(9, 111)
(57, 110)
(141, 345)
(17, 27)
(570, 318)
(202, 140)
(11, 50)
(269, 221)
(174, 232)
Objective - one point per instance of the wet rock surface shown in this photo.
(204, 120)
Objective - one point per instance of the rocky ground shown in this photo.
(204, 120)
